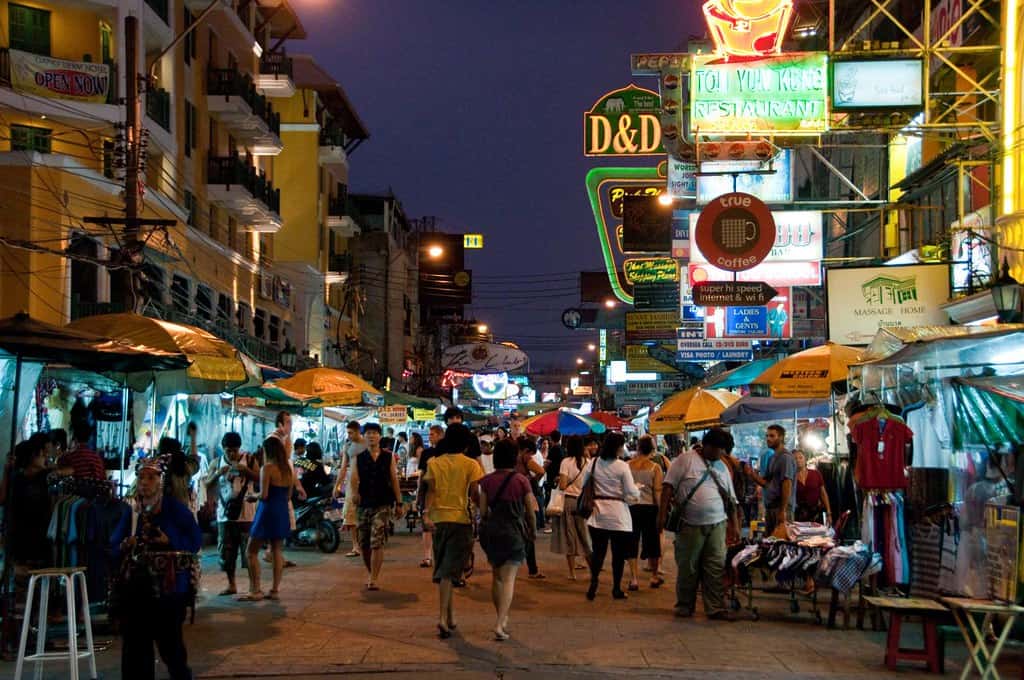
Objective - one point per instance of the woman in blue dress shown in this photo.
(271, 523)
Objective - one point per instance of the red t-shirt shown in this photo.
(517, 489)
(881, 467)
(85, 463)
(808, 492)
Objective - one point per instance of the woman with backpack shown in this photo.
(508, 512)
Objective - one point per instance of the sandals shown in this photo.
(228, 591)
(657, 582)
(251, 597)
(443, 632)
(427, 563)
(372, 586)
(273, 595)
(500, 636)
(633, 587)
(353, 553)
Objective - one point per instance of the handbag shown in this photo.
(556, 506)
(588, 495)
(233, 506)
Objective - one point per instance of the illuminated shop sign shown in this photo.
(785, 94)
(773, 187)
(682, 179)
(877, 83)
(625, 122)
(490, 385)
(651, 270)
(748, 28)
(799, 237)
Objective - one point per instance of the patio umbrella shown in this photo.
(563, 420)
(324, 387)
(214, 365)
(692, 409)
(810, 374)
(610, 419)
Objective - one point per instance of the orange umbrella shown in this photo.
(692, 409)
(809, 374)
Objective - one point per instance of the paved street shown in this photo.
(327, 625)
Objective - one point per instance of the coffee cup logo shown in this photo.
(736, 233)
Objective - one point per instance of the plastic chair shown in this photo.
(73, 577)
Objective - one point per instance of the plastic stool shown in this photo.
(71, 576)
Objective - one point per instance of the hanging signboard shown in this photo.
(484, 357)
(655, 295)
(681, 222)
(748, 29)
(773, 187)
(656, 325)
(640, 360)
(625, 122)
(714, 350)
(736, 231)
(652, 64)
(59, 78)
(864, 84)
(782, 95)
(646, 225)
(423, 414)
(651, 270)
(682, 179)
(863, 299)
(473, 241)
(799, 237)
(754, 322)
(392, 415)
(773, 273)
(490, 385)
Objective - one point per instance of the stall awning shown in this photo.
(988, 411)
(1007, 386)
(751, 409)
(744, 375)
(892, 346)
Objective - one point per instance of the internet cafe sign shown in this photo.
(784, 94)
(625, 122)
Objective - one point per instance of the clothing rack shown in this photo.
(80, 486)
(883, 529)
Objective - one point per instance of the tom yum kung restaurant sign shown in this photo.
(784, 94)
(625, 122)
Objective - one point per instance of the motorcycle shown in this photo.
(312, 528)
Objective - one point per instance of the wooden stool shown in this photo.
(73, 577)
(900, 607)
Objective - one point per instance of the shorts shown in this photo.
(645, 530)
(453, 544)
(372, 526)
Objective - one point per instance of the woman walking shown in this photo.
(508, 522)
(610, 522)
(271, 522)
(647, 475)
(571, 536)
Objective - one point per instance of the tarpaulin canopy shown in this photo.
(988, 411)
(393, 398)
(744, 375)
(903, 345)
(752, 409)
(214, 365)
(323, 387)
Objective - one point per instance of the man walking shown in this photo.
(779, 481)
(231, 478)
(450, 481)
(354, 445)
(700, 484)
(378, 497)
(435, 436)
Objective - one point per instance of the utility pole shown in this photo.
(133, 130)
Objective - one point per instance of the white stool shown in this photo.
(70, 576)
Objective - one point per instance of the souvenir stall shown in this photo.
(935, 424)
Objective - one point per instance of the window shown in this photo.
(190, 38)
(212, 141)
(191, 127)
(30, 29)
(244, 316)
(275, 330)
(191, 208)
(153, 278)
(259, 323)
(181, 294)
(30, 138)
(212, 225)
(212, 49)
(204, 303)
(223, 309)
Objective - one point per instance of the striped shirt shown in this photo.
(85, 463)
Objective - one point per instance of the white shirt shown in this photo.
(487, 461)
(705, 506)
(613, 480)
(573, 478)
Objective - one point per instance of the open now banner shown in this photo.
(59, 78)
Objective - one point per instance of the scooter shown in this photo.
(312, 528)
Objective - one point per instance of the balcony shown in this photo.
(338, 219)
(275, 76)
(74, 111)
(160, 8)
(233, 100)
(339, 267)
(245, 192)
(332, 149)
(158, 107)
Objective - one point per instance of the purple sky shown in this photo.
(475, 110)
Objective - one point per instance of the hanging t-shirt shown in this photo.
(932, 441)
(882, 446)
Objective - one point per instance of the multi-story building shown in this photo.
(239, 260)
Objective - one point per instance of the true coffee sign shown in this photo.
(736, 231)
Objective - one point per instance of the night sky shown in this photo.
(475, 111)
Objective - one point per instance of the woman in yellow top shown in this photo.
(451, 479)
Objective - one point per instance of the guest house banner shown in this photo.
(59, 78)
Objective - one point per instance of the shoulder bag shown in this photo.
(556, 506)
(674, 521)
(588, 495)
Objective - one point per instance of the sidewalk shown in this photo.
(327, 625)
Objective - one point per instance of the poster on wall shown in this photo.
(862, 300)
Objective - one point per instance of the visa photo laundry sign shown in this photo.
(784, 95)
(714, 350)
(862, 300)
(624, 122)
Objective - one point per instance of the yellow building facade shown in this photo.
(1010, 223)
(249, 254)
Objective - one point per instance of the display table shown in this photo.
(899, 607)
(964, 610)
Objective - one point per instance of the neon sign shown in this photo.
(624, 122)
(785, 94)
(748, 28)
(651, 270)
(491, 385)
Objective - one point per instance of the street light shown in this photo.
(592, 347)
(481, 328)
(435, 251)
(288, 357)
(665, 199)
(610, 303)
(579, 361)
(1006, 295)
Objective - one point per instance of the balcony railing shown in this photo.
(277, 64)
(332, 136)
(161, 9)
(80, 310)
(231, 170)
(230, 83)
(340, 262)
(158, 107)
(5, 75)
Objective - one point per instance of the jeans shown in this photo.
(700, 559)
(620, 541)
(150, 622)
